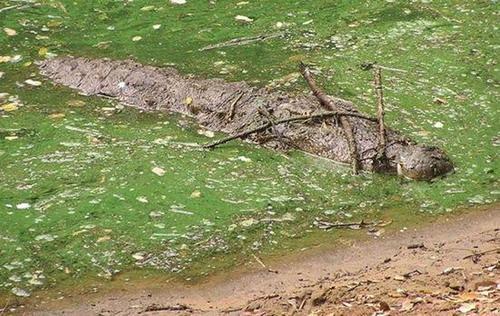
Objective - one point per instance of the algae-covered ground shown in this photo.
(91, 189)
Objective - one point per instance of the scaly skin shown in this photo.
(234, 107)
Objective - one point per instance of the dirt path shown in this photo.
(450, 266)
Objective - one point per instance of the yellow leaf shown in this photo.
(467, 297)
(57, 115)
(43, 51)
(5, 59)
(9, 107)
(75, 103)
(196, 194)
(103, 238)
(158, 171)
(9, 32)
(41, 37)
(188, 101)
(148, 8)
(54, 23)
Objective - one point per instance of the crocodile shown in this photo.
(234, 107)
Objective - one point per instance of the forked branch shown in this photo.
(326, 103)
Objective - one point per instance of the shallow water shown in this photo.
(90, 188)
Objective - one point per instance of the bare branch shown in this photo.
(325, 101)
(269, 124)
(382, 137)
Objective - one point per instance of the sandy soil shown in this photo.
(448, 267)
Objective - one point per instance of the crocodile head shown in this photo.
(423, 162)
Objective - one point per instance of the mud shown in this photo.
(439, 268)
(234, 107)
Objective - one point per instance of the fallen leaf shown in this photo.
(206, 133)
(54, 23)
(438, 125)
(148, 8)
(34, 83)
(20, 292)
(23, 206)
(103, 238)
(468, 296)
(138, 256)
(467, 307)
(9, 31)
(244, 159)
(407, 306)
(384, 306)
(484, 285)
(451, 270)
(399, 278)
(158, 171)
(440, 101)
(57, 115)
(136, 38)
(9, 107)
(196, 194)
(248, 222)
(142, 199)
(75, 103)
(243, 19)
(42, 52)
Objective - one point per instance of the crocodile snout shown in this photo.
(423, 162)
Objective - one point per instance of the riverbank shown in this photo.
(446, 266)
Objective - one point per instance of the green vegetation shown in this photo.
(78, 195)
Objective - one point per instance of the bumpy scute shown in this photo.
(233, 107)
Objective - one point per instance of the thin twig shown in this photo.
(174, 308)
(382, 138)
(241, 41)
(259, 261)
(267, 125)
(392, 69)
(5, 307)
(233, 106)
(479, 254)
(329, 105)
(327, 226)
(303, 303)
(9, 7)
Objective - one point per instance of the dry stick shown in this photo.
(10, 7)
(391, 69)
(259, 261)
(340, 225)
(328, 104)
(233, 105)
(382, 138)
(479, 254)
(303, 303)
(347, 126)
(267, 125)
(241, 41)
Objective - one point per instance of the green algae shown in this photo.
(78, 197)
